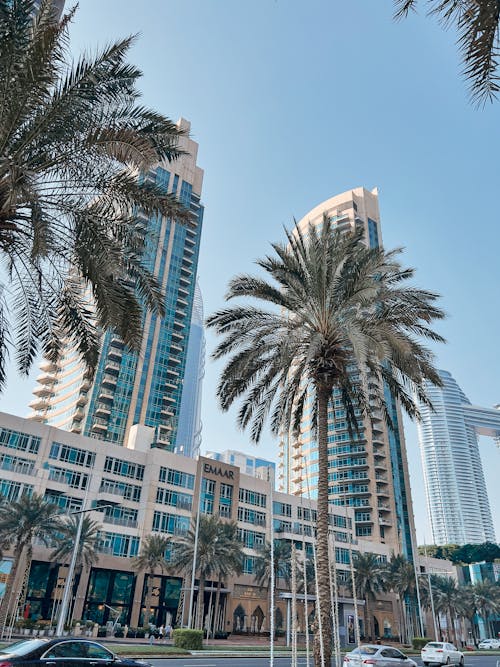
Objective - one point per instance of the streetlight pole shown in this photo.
(431, 596)
(195, 553)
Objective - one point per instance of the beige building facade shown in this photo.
(149, 490)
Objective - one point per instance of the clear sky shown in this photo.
(293, 102)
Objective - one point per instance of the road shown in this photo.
(237, 661)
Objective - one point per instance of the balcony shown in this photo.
(39, 404)
(115, 354)
(48, 366)
(177, 335)
(22, 467)
(112, 366)
(120, 521)
(103, 410)
(43, 391)
(45, 378)
(384, 522)
(109, 381)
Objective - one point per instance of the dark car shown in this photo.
(63, 652)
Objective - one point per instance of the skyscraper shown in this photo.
(368, 472)
(188, 440)
(145, 388)
(457, 500)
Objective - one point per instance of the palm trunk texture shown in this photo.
(323, 644)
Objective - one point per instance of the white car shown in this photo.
(381, 656)
(441, 653)
(489, 643)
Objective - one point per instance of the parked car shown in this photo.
(489, 643)
(45, 652)
(382, 656)
(441, 653)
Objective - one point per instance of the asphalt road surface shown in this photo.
(237, 661)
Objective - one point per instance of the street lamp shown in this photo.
(71, 570)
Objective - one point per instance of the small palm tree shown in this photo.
(400, 578)
(282, 568)
(487, 602)
(231, 564)
(21, 522)
(212, 554)
(370, 580)
(477, 22)
(73, 141)
(152, 558)
(330, 301)
(447, 601)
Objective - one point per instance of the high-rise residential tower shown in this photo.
(145, 388)
(368, 472)
(457, 500)
(188, 439)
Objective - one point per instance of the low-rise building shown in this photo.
(145, 489)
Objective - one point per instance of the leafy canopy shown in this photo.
(74, 143)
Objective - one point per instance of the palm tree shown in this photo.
(332, 300)
(152, 558)
(231, 564)
(211, 555)
(477, 22)
(370, 580)
(447, 601)
(282, 567)
(73, 143)
(87, 553)
(400, 578)
(487, 602)
(21, 522)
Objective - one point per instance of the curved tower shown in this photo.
(457, 500)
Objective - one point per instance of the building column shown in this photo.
(81, 593)
(137, 598)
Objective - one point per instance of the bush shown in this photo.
(140, 633)
(119, 633)
(191, 640)
(418, 642)
(102, 631)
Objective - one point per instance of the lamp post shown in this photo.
(71, 570)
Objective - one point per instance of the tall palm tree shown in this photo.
(282, 568)
(370, 580)
(331, 300)
(211, 553)
(152, 558)
(478, 26)
(21, 522)
(73, 143)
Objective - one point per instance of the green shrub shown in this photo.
(418, 642)
(102, 631)
(192, 640)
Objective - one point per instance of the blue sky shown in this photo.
(293, 102)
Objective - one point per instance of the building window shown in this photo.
(176, 478)
(363, 531)
(251, 538)
(16, 464)
(248, 564)
(74, 479)
(174, 498)
(67, 503)
(12, 491)
(170, 523)
(252, 498)
(21, 441)
(125, 546)
(124, 468)
(282, 509)
(123, 489)
(68, 454)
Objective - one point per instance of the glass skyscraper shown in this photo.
(144, 388)
(368, 472)
(457, 500)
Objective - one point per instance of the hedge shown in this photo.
(192, 640)
(418, 642)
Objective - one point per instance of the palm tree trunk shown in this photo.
(215, 619)
(368, 622)
(10, 593)
(200, 603)
(323, 643)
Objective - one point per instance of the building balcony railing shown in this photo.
(19, 466)
(120, 521)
